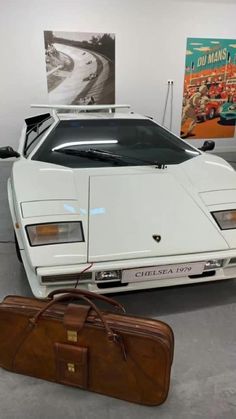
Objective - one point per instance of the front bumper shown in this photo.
(69, 275)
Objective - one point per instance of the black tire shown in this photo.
(17, 249)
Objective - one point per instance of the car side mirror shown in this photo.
(208, 145)
(7, 152)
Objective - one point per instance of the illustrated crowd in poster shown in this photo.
(80, 67)
(209, 98)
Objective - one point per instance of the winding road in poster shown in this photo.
(88, 76)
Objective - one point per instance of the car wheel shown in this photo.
(17, 249)
(212, 113)
(222, 121)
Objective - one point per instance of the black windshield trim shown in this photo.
(34, 124)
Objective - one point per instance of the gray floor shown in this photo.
(204, 371)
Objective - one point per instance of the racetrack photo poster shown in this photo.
(80, 67)
(209, 97)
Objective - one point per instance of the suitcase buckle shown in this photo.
(71, 364)
(72, 336)
(71, 367)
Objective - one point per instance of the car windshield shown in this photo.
(139, 141)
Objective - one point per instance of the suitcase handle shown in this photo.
(111, 335)
(89, 294)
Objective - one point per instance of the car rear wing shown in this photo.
(83, 108)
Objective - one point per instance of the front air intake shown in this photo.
(49, 279)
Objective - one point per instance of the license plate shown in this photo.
(162, 272)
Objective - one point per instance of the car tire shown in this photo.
(17, 249)
(222, 121)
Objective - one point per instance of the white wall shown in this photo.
(150, 49)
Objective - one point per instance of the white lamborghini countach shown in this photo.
(108, 200)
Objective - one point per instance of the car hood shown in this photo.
(123, 209)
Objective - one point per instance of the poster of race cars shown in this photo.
(80, 67)
(209, 98)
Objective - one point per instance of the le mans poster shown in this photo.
(209, 98)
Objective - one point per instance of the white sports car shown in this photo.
(111, 201)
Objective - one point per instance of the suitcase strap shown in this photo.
(79, 323)
(109, 331)
(75, 316)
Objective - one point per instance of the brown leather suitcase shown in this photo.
(107, 352)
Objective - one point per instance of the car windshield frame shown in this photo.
(142, 141)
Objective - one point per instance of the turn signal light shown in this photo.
(47, 230)
(226, 220)
(55, 233)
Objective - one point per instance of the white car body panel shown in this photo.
(219, 197)
(40, 189)
(139, 206)
(46, 208)
(211, 173)
(121, 208)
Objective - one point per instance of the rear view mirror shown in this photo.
(7, 152)
(208, 145)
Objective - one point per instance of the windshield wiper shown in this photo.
(108, 156)
(119, 156)
(91, 154)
